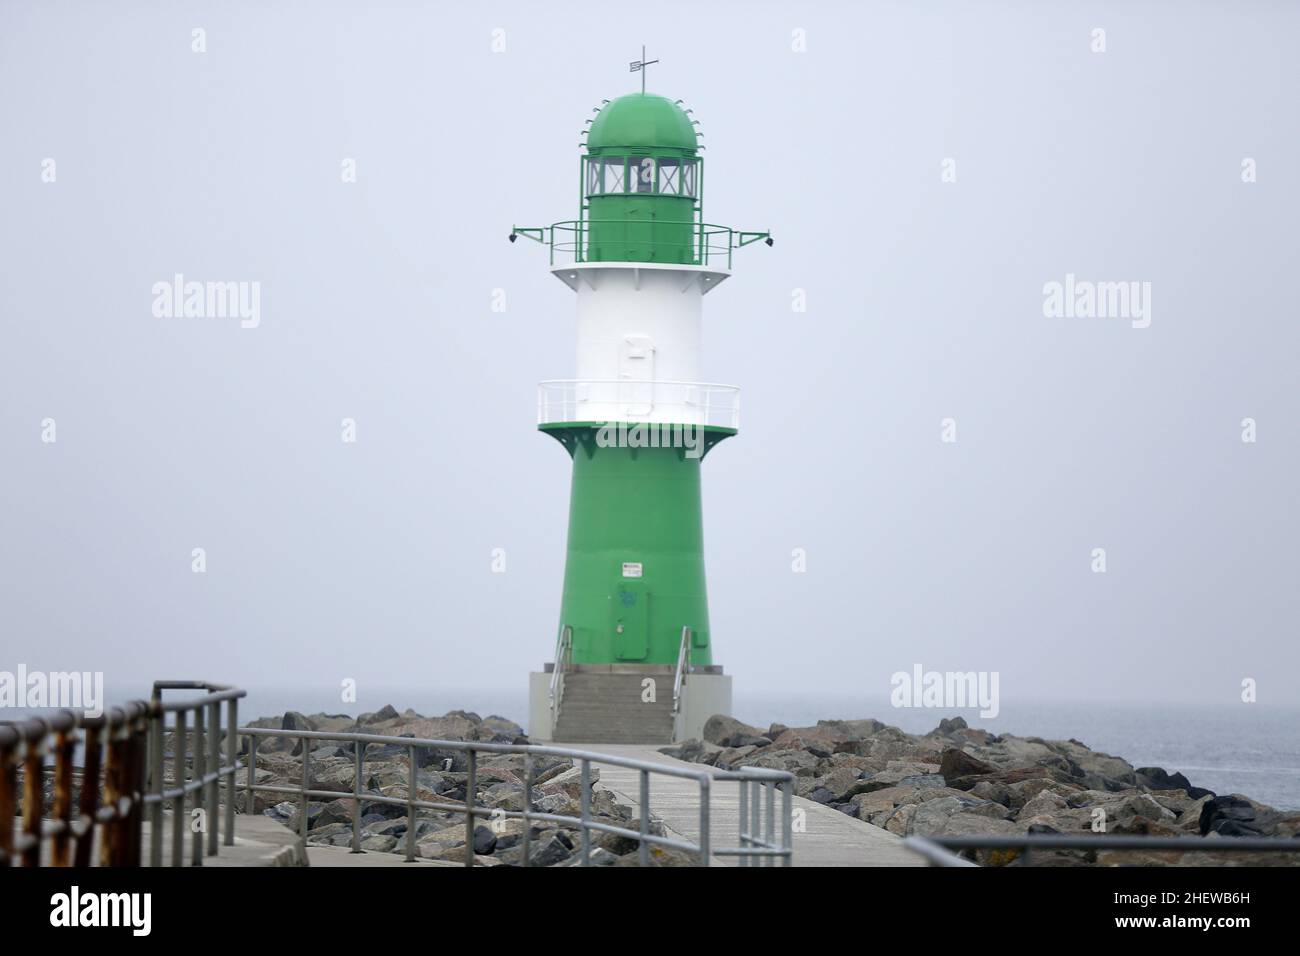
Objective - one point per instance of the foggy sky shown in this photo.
(372, 561)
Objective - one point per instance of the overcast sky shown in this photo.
(371, 560)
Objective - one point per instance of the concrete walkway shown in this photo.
(828, 838)
(342, 856)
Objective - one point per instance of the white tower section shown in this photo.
(639, 334)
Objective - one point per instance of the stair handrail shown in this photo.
(563, 653)
(683, 665)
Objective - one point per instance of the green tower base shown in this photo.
(634, 574)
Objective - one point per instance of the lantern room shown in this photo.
(641, 180)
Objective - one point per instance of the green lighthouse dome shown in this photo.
(641, 176)
(642, 121)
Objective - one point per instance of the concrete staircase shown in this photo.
(607, 708)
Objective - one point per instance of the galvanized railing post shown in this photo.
(787, 823)
(643, 851)
(528, 807)
(410, 808)
(705, 799)
(585, 804)
(302, 801)
(179, 745)
(214, 759)
(200, 770)
(232, 721)
(251, 774)
(358, 755)
(140, 748)
(742, 820)
(770, 860)
(471, 785)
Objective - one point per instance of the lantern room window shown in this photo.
(670, 178)
(667, 176)
(642, 174)
(613, 175)
(688, 178)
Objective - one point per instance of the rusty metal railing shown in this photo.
(111, 791)
(122, 774)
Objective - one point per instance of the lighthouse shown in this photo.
(634, 654)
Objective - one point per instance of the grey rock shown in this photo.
(1157, 778)
(1234, 815)
(720, 728)
(598, 856)
(282, 812)
(692, 751)
(553, 851)
(949, 725)
(923, 781)
(387, 712)
(485, 841)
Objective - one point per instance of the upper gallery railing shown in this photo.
(686, 403)
(569, 241)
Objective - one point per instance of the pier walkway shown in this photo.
(828, 837)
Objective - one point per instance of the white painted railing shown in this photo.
(687, 403)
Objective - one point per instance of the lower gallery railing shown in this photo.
(128, 768)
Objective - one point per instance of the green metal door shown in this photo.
(630, 620)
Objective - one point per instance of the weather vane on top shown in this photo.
(638, 66)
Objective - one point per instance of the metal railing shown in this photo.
(203, 736)
(709, 244)
(563, 654)
(125, 770)
(759, 841)
(939, 850)
(702, 404)
(683, 665)
(110, 799)
(121, 774)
